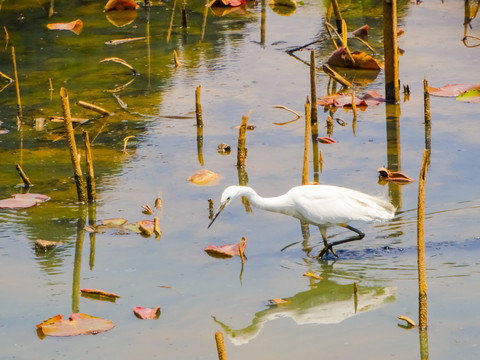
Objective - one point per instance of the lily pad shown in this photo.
(21, 201)
(146, 313)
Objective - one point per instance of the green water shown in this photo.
(241, 64)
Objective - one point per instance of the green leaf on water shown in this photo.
(472, 95)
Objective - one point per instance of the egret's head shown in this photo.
(228, 195)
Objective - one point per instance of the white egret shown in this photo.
(320, 205)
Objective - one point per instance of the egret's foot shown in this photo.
(327, 249)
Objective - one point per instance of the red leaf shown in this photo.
(361, 32)
(362, 60)
(326, 140)
(74, 26)
(394, 176)
(232, 3)
(77, 324)
(147, 313)
(227, 251)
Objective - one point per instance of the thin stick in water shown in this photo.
(306, 148)
(17, 87)
(313, 88)
(91, 191)
(24, 177)
(82, 194)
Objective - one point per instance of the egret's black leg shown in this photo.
(329, 247)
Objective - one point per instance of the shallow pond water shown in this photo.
(241, 64)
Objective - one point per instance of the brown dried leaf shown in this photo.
(74, 26)
(146, 313)
(202, 177)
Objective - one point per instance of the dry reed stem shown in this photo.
(198, 106)
(336, 76)
(24, 177)
(422, 280)
(222, 355)
(306, 148)
(82, 194)
(392, 93)
(95, 108)
(313, 88)
(91, 189)
(17, 87)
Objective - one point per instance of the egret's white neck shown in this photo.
(278, 204)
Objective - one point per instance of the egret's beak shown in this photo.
(222, 206)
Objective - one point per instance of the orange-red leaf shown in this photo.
(77, 324)
(146, 313)
(74, 26)
(361, 32)
(326, 140)
(121, 5)
(451, 90)
(278, 302)
(394, 176)
(228, 251)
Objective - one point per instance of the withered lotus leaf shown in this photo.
(21, 201)
(312, 275)
(361, 32)
(232, 3)
(202, 177)
(77, 324)
(100, 293)
(146, 225)
(472, 95)
(121, 5)
(74, 26)
(228, 251)
(146, 313)
(362, 60)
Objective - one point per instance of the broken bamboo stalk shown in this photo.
(198, 106)
(91, 189)
(427, 116)
(313, 89)
(241, 150)
(17, 88)
(82, 194)
(24, 177)
(392, 93)
(338, 15)
(306, 148)
(422, 279)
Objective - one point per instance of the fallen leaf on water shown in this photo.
(146, 313)
(123, 41)
(156, 228)
(121, 18)
(224, 149)
(472, 95)
(394, 176)
(145, 227)
(158, 203)
(326, 140)
(362, 60)
(95, 293)
(453, 90)
(120, 5)
(114, 222)
(312, 275)
(371, 98)
(77, 324)
(361, 32)
(202, 177)
(147, 210)
(21, 201)
(45, 245)
(228, 251)
(232, 3)
(409, 321)
(278, 302)
(74, 26)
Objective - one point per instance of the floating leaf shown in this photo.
(409, 321)
(144, 226)
(232, 3)
(146, 313)
(326, 140)
(371, 98)
(394, 176)
(362, 60)
(451, 90)
(156, 228)
(202, 177)
(312, 275)
(147, 210)
(114, 222)
(121, 18)
(472, 95)
(361, 32)
(224, 149)
(21, 201)
(99, 293)
(45, 245)
(74, 26)
(77, 324)
(121, 5)
(278, 302)
(228, 251)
